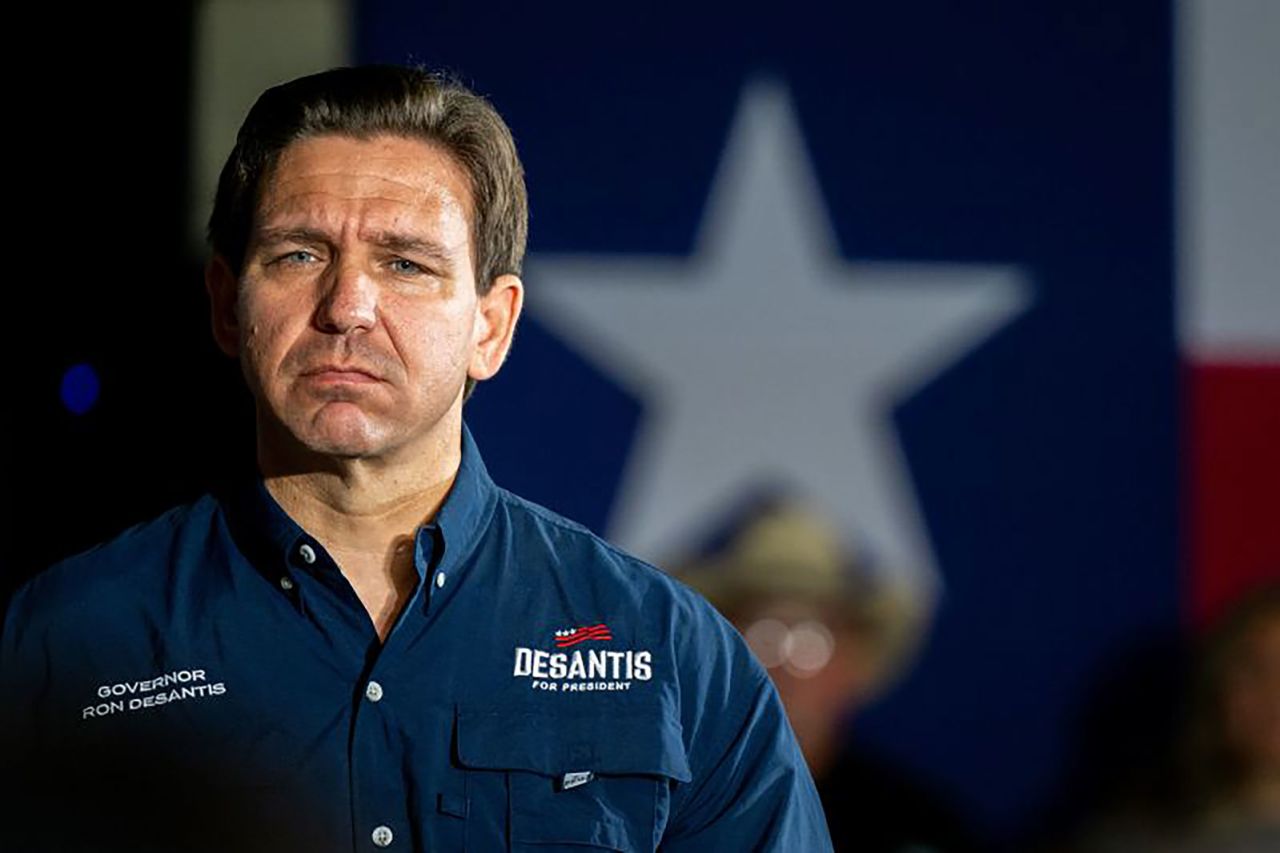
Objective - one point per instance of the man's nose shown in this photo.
(349, 300)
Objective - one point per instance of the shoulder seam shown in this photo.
(553, 518)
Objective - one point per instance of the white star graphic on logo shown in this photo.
(767, 360)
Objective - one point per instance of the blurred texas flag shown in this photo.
(1229, 295)
(995, 285)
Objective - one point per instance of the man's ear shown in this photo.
(221, 284)
(496, 314)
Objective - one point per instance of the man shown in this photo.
(372, 646)
(835, 631)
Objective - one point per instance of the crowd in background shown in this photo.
(1179, 751)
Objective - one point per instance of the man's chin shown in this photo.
(345, 451)
(341, 438)
(358, 446)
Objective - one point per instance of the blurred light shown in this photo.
(80, 388)
(803, 649)
(768, 639)
(810, 649)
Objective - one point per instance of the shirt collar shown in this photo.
(464, 516)
(272, 539)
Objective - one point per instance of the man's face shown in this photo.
(356, 317)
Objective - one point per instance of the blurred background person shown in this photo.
(1220, 791)
(1232, 750)
(834, 635)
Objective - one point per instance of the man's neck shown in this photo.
(359, 509)
(365, 513)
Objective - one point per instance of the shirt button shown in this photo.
(373, 692)
(286, 583)
(382, 836)
(440, 578)
(307, 553)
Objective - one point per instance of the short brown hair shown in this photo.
(367, 101)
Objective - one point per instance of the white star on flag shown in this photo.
(766, 360)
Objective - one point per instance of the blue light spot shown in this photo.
(80, 388)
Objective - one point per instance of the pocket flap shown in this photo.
(645, 742)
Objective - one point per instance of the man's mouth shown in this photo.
(339, 374)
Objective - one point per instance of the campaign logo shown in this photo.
(572, 636)
(582, 671)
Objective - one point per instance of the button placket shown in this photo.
(372, 750)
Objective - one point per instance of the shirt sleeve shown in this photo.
(751, 788)
(19, 674)
(22, 682)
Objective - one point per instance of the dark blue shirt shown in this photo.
(209, 680)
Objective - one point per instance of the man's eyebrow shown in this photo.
(396, 242)
(411, 245)
(272, 236)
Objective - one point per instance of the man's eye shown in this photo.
(406, 267)
(300, 256)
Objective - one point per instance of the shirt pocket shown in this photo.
(528, 785)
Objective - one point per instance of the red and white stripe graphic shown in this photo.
(573, 636)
